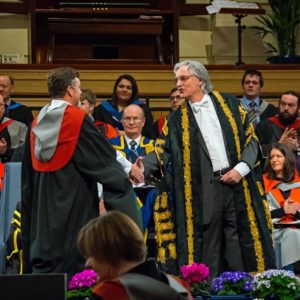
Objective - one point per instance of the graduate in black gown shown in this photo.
(64, 157)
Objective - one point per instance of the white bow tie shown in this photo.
(198, 105)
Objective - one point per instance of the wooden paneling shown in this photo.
(154, 84)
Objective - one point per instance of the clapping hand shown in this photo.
(3, 146)
(289, 138)
(290, 207)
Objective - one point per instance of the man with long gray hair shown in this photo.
(210, 207)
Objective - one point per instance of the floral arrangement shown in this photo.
(81, 284)
(233, 283)
(283, 284)
(196, 275)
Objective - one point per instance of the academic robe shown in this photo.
(184, 204)
(19, 112)
(270, 130)
(146, 146)
(14, 133)
(286, 237)
(56, 204)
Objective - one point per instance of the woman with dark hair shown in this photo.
(125, 92)
(115, 249)
(282, 186)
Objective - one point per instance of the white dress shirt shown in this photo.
(209, 125)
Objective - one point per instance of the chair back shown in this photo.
(10, 195)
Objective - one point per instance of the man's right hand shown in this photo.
(136, 174)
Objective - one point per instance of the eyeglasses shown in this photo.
(174, 98)
(133, 119)
(183, 78)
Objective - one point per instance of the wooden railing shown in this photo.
(154, 83)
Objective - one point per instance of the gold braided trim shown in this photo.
(167, 237)
(243, 113)
(231, 120)
(16, 221)
(253, 229)
(249, 133)
(145, 235)
(164, 201)
(260, 188)
(15, 243)
(139, 202)
(163, 216)
(164, 228)
(161, 254)
(160, 142)
(159, 151)
(149, 147)
(268, 214)
(165, 129)
(187, 182)
(172, 250)
(17, 213)
(167, 226)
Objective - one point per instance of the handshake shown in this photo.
(136, 174)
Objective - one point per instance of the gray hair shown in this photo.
(198, 70)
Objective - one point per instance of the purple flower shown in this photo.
(232, 283)
(194, 273)
(86, 278)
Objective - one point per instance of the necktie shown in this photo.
(252, 113)
(198, 105)
(132, 145)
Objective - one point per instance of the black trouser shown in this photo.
(221, 246)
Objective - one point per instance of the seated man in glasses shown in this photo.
(133, 145)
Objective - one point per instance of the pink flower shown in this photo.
(86, 278)
(195, 272)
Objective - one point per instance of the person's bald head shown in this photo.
(133, 120)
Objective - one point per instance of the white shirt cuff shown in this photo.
(126, 164)
(242, 168)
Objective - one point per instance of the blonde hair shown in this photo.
(113, 238)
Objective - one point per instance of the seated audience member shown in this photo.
(12, 134)
(283, 128)
(125, 92)
(87, 103)
(282, 185)
(133, 144)
(257, 108)
(175, 102)
(115, 249)
(14, 110)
